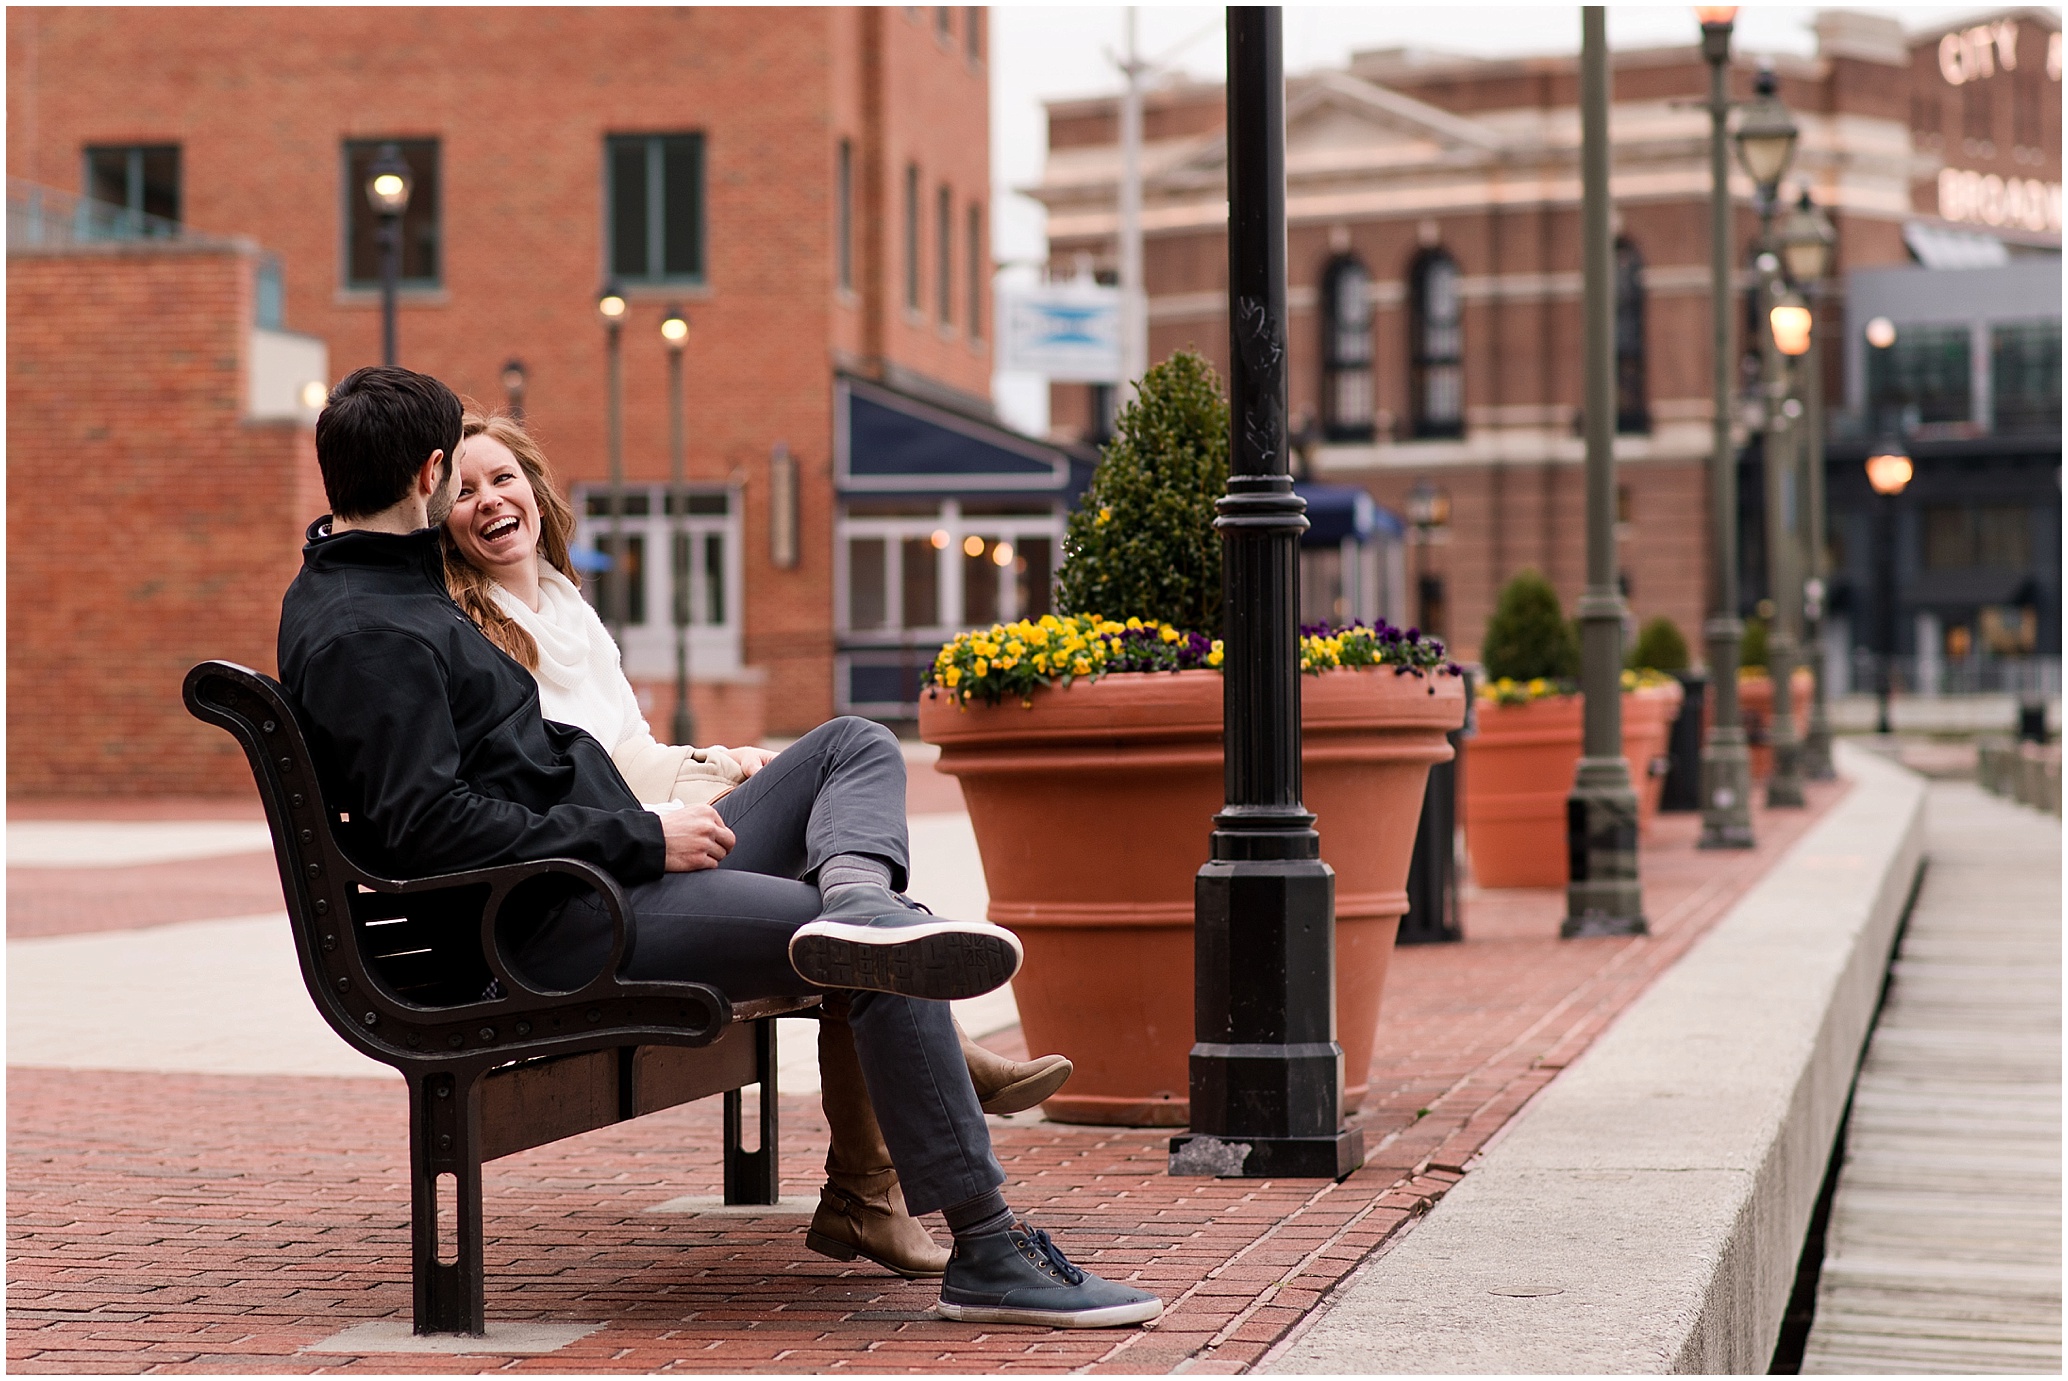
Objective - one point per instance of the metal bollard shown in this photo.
(1432, 876)
(1683, 789)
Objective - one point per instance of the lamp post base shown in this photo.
(1266, 1079)
(1268, 1157)
(1603, 897)
(1726, 791)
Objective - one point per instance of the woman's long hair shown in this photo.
(472, 587)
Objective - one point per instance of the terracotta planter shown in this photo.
(1519, 772)
(1648, 716)
(1756, 712)
(1092, 812)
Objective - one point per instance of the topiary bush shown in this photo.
(1142, 542)
(1528, 638)
(1752, 646)
(1660, 647)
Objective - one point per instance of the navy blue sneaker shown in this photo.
(1017, 1275)
(873, 939)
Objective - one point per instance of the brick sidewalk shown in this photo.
(204, 1223)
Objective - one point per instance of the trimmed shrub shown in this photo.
(1142, 542)
(1752, 647)
(1659, 647)
(1528, 637)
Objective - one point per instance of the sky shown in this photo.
(1046, 52)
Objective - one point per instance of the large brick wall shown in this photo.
(260, 101)
(148, 525)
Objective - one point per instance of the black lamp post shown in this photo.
(610, 305)
(1888, 471)
(675, 331)
(1602, 895)
(1266, 1071)
(388, 184)
(513, 388)
(1726, 764)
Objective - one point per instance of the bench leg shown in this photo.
(444, 1139)
(754, 1177)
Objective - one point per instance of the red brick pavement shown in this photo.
(197, 1223)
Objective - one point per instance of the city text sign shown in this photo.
(2009, 203)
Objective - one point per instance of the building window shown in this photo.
(1436, 383)
(656, 207)
(973, 32)
(843, 215)
(979, 271)
(1105, 412)
(1924, 115)
(911, 237)
(1923, 379)
(1633, 413)
(1346, 351)
(2025, 376)
(925, 568)
(142, 181)
(944, 23)
(944, 255)
(1959, 537)
(1978, 111)
(421, 251)
(2028, 114)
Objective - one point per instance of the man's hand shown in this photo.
(752, 760)
(697, 838)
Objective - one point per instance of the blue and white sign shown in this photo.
(1068, 331)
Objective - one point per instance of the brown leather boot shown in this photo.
(1011, 1085)
(861, 1209)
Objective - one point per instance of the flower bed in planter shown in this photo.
(1092, 803)
(1519, 772)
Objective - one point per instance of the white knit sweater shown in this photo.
(582, 682)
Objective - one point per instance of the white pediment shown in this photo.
(1334, 120)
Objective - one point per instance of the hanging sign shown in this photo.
(1069, 331)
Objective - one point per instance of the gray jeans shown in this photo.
(840, 789)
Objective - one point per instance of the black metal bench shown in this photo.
(411, 974)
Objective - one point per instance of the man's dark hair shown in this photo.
(380, 426)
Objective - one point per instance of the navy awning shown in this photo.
(1336, 511)
(886, 442)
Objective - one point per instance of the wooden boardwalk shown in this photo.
(1944, 1247)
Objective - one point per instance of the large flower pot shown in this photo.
(1756, 714)
(1519, 773)
(1092, 812)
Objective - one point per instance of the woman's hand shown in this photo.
(752, 760)
(697, 838)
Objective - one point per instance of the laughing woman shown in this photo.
(507, 564)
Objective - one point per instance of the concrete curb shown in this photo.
(1645, 1213)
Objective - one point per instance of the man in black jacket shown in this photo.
(431, 740)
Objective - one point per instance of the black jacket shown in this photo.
(429, 736)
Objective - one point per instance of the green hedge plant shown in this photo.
(1142, 542)
(1528, 638)
(1660, 647)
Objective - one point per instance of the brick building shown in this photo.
(1433, 208)
(811, 186)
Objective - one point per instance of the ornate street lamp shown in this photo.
(1807, 241)
(1766, 143)
(1603, 896)
(1266, 1072)
(610, 307)
(675, 331)
(1726, 763)
(1888, 472)
(513, 388)
(388, 185)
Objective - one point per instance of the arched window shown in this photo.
(1346, 385)
(1436, 368)
(1633, 412)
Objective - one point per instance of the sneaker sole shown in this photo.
(943, 961)
(1111, 1316)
